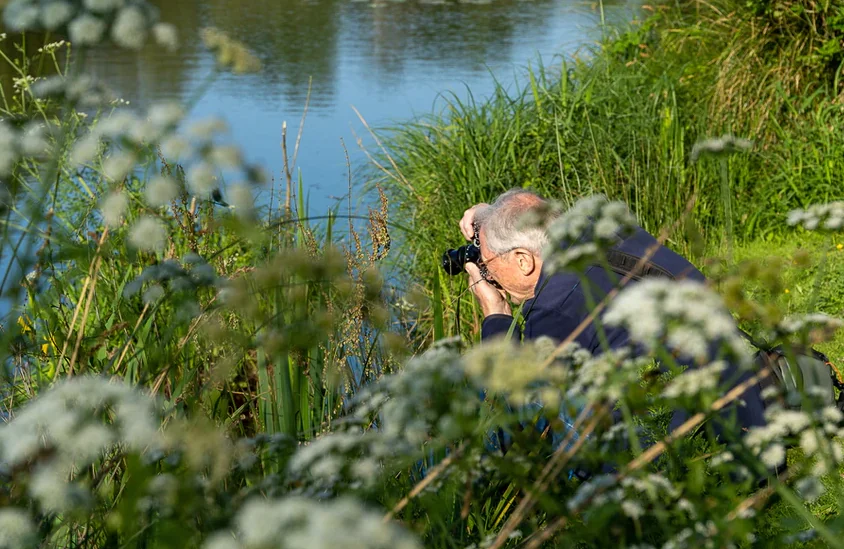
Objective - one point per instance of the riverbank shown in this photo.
(622, 119)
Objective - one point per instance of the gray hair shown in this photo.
(511, 222)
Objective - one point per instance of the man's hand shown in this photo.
(468, 219)
(491, 299)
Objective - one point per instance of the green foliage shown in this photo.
(184, 372)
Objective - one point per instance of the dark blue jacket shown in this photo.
(560, 305)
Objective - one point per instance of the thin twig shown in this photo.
(422, 484)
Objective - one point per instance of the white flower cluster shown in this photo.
(518, 372)
(695, 381)
(717, 146)
(823, 217)
(71, 426)
(428, 399)
(197, 150)
(703, 535)
(815, 433)
(16, 529)
(634, 495)
(606, 376)
(192, 272)
(126, 128)
(128, 23)
(810, 322)
(351, 457)
(683, 315)
(581, 235)
(82, 91)
(296, 522)
(16, 143)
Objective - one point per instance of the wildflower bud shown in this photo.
(823, 217)
(227, 156)
(129, 29)
(86, 30)
(117, 166)
(114, 208)
(148, 233)
(201, 179)
(21, 16)
(166, 36)
(725, 145)
(85, 150)
(240, 197)
(56, 14)
(161, 190)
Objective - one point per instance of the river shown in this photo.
(391, 61)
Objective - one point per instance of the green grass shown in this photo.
(621, 120)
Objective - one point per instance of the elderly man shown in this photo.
(556, 305)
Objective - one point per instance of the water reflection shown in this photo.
(389, 59)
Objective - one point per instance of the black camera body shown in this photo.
(454, 260)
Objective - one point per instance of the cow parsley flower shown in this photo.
(129, 29)
(810, 488)
(414, 401)
(821, 217)
(166, 115)
(295, 522)
(56, 14)
(175, 147)
(515, 371)
(166, 36)
(64, 430)
(161, 190)
(114, 208)
(103, 6)
(240, 197)
(336, 457)
(695, 381)
(33, 140)
(86, 30)
(201, 179)
(773, 456)
(716, 146)
(632, 509)
(21, 16)
(85, 150)
(683, 315)
(810, 322)
(226, 156)
(580, 236)
(606, 376)
(148, 233)
(16, 529)
(117, 166)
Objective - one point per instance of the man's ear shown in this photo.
(525, 261)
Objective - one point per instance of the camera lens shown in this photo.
(452, 262)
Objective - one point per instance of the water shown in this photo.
(391, 61)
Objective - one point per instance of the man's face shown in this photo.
(500, 267)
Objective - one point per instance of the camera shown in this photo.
(454, 260)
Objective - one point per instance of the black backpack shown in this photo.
(796, 371)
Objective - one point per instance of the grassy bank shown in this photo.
(622, 119)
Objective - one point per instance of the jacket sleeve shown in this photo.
(496, 325)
